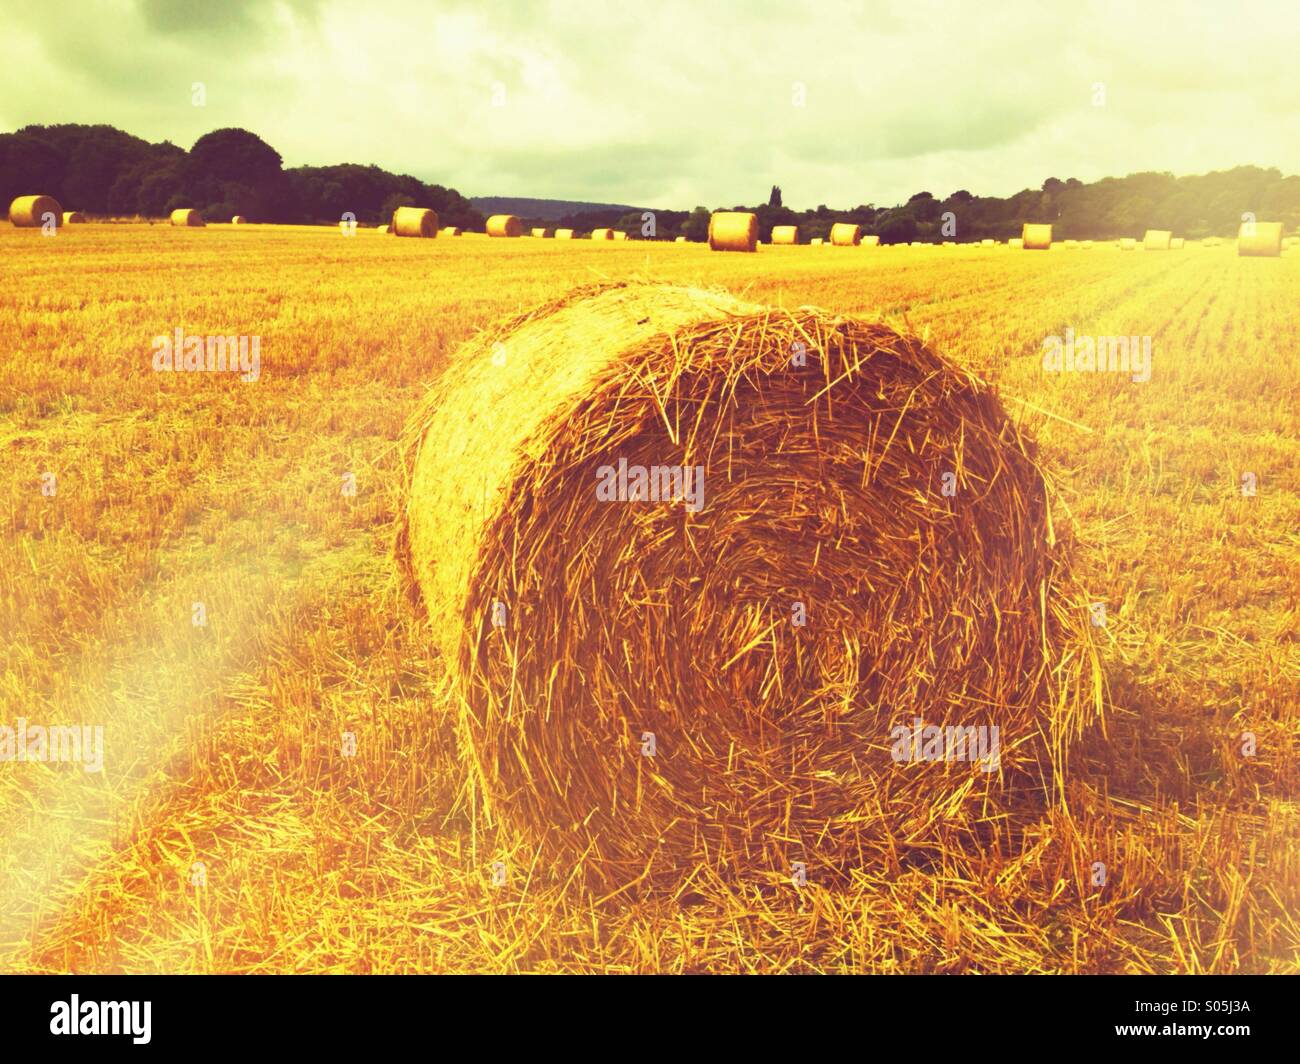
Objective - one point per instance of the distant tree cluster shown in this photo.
(101, 170)
(1193, 207)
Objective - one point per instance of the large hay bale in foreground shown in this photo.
(733, 231)
(187, 216)
(1036, 237)
(1260, 238)
(845, 235)
(505, 225)
(415, 221)
(1157, 239)
(32, 212)
(785, 234)
(654, 670)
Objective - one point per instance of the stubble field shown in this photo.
(230, 831)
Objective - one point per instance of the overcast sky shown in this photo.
(672, 103)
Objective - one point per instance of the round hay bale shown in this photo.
(73, 218)
(986, 243)
(541, 233)
(238, 219)
(687, 593)
(816, 242)
(504, 225)
(1157, 239)
(785, 234)
(1260, 239)
(679, 240)
(450, 230)
(187, 216)
(1015, 242)
(602, 234)
(620, 235)
(844, 234)
(415, 221)
(1036, 237)
(32, 212)
(733, 231)
(871, 241)
(564, 234)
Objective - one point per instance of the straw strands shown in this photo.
(657, 671)
(32, 212)
(733, 231)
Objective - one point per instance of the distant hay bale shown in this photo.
(1036, 237)
(382, 228)
(733, 231)
(504, 225)
(73, 218)
(816, 241)
(1157, 239)
(32, 212)
(679, 240)
(564, 234)
(450, 230)
(1176, 243)
(845, 235)
(785, 234)
(871, 241)
(1070, 243)
(602, 234)
(542, 233)
(415, 221)
(619, 234)
(1015, 242)
(1127, 244)
(1263, 239)
(187, 216)
(238, 219)
(687, 597)
(986, 243)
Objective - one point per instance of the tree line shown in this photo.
(101, 170)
